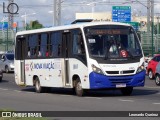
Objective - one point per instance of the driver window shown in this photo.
(78, 45)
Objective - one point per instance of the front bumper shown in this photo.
(98, 81)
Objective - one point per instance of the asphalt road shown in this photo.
(13, 97)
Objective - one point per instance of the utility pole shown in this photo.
(158, 24)
(57, 12)
(148, 16)
(152, 22)
(10, 16)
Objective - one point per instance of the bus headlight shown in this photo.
(96, 69)
(140, 68)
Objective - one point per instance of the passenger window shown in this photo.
(43, 45)
(32, 45)
(56, 44)
(158, 58)
(154, 59)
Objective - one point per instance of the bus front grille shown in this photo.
(117, 80)
(112, 72)
(120, 72)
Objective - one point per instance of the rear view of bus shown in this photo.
(115, 57)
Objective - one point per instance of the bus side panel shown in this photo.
(80, 69)
(48, 72)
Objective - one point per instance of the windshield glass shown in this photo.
(10, 56)
(112, 41)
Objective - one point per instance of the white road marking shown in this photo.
(17, 91)
(65, 95)
(3, 89)
(156, 103)
(93, 98)
(126, 100)
(99, 98)
(152, 87)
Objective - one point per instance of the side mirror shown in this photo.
(146, 61)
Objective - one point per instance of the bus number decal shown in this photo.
(75, 66)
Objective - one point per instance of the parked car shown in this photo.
(7, 62)
(157, 74)
(1, 75)
(151, 68)
(147, 59)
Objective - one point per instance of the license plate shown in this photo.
(120, 85)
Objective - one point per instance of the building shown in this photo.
(106, 16)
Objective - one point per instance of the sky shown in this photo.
(70, 7)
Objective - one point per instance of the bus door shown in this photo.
(66, 40)
(20, 58)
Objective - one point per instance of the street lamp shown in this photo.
(51, 12)
(93, 4)
(25, 18)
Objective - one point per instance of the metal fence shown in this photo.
(146, 40)
(7, 40)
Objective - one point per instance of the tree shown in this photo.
(36, 25)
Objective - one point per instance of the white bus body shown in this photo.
(64, 57)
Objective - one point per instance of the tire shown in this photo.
(6, 69)
(0, 79)
(38, 87)
(150, 74)
(78, 88)
(157, 80)
(127, 91)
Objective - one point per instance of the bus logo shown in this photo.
(6, 114)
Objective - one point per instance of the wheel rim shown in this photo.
(37, 85)
(79, 86)
(157, 80)
(7, 69)
(150, 74)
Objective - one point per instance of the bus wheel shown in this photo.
(157, 80)
(78, 88)
(38, 87)
(127, 91)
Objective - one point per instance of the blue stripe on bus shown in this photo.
(98, 81)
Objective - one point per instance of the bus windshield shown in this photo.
(112, 41)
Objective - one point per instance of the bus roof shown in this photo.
(66, 27)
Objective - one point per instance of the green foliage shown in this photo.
(34, 25)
